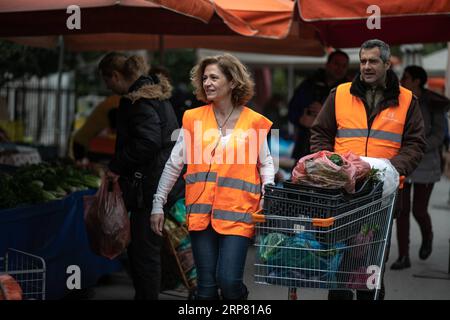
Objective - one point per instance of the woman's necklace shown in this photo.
(224, 123)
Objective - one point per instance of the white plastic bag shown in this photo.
(388, 174)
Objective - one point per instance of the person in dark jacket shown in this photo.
(433, 107)
(145, 122)
(309, 97)
(376, 98)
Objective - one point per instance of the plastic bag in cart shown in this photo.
(319, 170)
(106, 218)
(389, 174)
(269, 244)
(297, 255)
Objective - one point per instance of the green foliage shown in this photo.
(178, 62)
(375, 175)
(280, 85)
(19, 61)
(432, 47)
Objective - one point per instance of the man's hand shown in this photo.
(157, 223)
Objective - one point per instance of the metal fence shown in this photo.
(36, 111)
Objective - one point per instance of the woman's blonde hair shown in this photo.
(130, 67)
(233, 70)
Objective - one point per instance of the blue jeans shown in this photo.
(220, 262)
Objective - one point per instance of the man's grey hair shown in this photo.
(385, 51)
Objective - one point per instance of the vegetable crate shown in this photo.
(27, 270)
(309, 238)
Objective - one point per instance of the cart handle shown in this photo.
(258, 217)
(323, 222)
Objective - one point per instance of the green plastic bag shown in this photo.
(269, 245)
(178, 211)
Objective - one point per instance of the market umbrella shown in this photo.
(344, 23)
(269, 26)
(49, 17)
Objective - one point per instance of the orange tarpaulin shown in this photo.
(267, 17)
(49, 17)
(215, 24)
(262, 18)
(343, 23)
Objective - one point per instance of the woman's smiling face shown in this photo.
(216, 85)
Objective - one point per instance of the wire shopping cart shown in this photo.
(317, 238)
(28, 271)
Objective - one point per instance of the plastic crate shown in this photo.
(295, 200)
(361, 189)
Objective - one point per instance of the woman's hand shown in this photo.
(112, 175)
(157, 223)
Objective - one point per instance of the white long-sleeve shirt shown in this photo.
(177, 159)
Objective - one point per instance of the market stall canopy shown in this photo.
(304, 43)
(262, 18)
(344, 23)
(269, 26)
(49, 17)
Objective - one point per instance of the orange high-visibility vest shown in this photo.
(383, 139)
(223, 185)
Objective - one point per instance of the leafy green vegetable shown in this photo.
(336, 159)
(375, 175)
(43, 182)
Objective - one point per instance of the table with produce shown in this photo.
(41, 212)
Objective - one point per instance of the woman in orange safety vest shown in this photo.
(224, 145)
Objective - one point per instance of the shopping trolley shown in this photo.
(28, 271)
(310, 237)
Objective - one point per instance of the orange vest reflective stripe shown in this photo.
(223, 185)
(383, 139)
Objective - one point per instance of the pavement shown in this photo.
(425, 280)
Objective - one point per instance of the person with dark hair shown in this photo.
(372, 116)
(224, 145)
(145, 122)
(421, 181)
(309, 97)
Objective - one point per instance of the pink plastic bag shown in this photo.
(107, 222)
(362, 167)
(319, 171)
